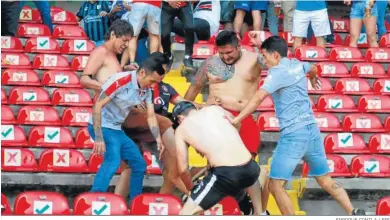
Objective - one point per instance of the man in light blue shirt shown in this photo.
(299, 133)
(120, 93)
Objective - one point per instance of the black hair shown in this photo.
(275, 44)
(226, 37)
(120, 28)
(160, 57)
(153, 64)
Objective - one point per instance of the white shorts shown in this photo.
(141, 12)
(319, 22)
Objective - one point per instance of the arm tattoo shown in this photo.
(97, 120)
(200, 78)
(260, 61)
(221, 69)
(155, 132)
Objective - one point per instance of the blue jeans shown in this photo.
(380, 20)
(119, 146)
(272, 19)
(304, 143)
(44, 10)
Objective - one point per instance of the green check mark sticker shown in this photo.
(43, 210)
(371, 168)
(52, 135)
(42, 44)
(336, 105)
(346, 139)
(314, 55)
(32, 97)
(61, 81)
(79, 46)
(101, 210)
(362, 38)
(387, 88)
(7, 132)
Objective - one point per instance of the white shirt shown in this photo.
(209, 10)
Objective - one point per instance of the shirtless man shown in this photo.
(233, 77)
(102, 64)
(232, 167)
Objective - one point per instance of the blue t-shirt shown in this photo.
(95, 25)
(287, 84)
(303, 5)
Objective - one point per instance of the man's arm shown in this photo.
(182, 159)
(95, 62)
(313, 77)
(99, 146)
(154, 127)
(252, 105)
(198, 82)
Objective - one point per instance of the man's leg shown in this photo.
(288, 8)
(255, 192)
(241, 8)
(272, 19)
(123, 184)
(370, 24)
(321, 26)
(186, 16)
(356, 21)
(9, 17)
(153, 22)
(44, 10)
(227, 14)
(382, 6)
(137, 19)
(167, 17)
(300, 27)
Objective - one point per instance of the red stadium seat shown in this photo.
(29, 15)
(178, 39)
(5, 207)
(248, 48)
(379, 143)
(23, 77)
(326, 87)
(44, 136)
(203, 51)
(385, 40)
(82, 139)
(22, 95)
(11, 44)
(332, 69)
(362, 123)
(311, 53)
(266, 105)
(60, 78)
(345, 143)
(62, 161)
(227, 206)
(41, 203)
(84, 47)
(387, 123)
(267, 121)
(353, 86)
(155, 204)
(7, 115)
(38, 115)
(4, 99)
(94, 162)
(368, 70)
(55, 9)
(12, 136)
(381, 86)
(263, 36)
(337, 167)
(336, 103)
(287, 36)
(15, 60)
(76, 116)
(340, 24)
(91, 203)
(69, 32)
(362, 41)
(327, 121)
(338, 41)
(78, 63)
(383, 206)
(313, 105)
(64, 17)
(151, 164)
(378, 55)
(71, 97)
(346, 54)
(33, 30)
(18, 160)
(50, 62)
(374, 103)
(370, 166)
(42, 45)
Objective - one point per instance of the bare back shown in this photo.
(213, 136)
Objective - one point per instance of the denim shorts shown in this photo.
(251, 5)
(357, 10)
(141, 12)
(227, 15)
(304, 143)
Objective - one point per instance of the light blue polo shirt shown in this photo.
(125, 93)
(287, 83)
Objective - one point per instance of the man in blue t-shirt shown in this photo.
(299, 133)
(314, 13)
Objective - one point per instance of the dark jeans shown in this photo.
(10, 12)
(185, 14)
(201, 27)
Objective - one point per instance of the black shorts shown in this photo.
(224, 181)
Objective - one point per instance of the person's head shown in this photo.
(274, 49)
(150, 72)
(228, 46)
(182, 110)
(119, 34)
(160, 57)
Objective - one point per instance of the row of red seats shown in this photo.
(47, 45)
(35, 203)
(52, 78)
(60, 161)
(46, 115)
(24, 95)
(59, 32)
(42, 62)
(341, 103)
(352, 143)
(377, 166)
(361, 69)
(328, 122)
(58, 16)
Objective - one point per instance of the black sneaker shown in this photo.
(358, 212)
(267, 212)
(170, 57)
(188, 63)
